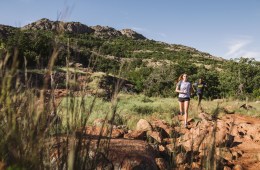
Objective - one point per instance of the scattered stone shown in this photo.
(227, 168)
(136, 135)
(169, 140)
(180, 158)
(161, 163)
(205, 116)
(220, 137)
(199, 139)
(161, 148)
(117, 133)
(195, 166)
(155, 135)
(165, 129)
(224, 153)
(236, 155)
(143, 125)
(184, 167)
(247, 107)
(237, 167)
(122, 127)
(171, 147)
(187, 145)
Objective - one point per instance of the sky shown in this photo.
(223, 28)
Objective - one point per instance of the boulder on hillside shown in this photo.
(105, 32)
(132, 34)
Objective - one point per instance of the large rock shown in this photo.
(161, 126)
(155, 135)
(132, 34)
(143, 125)
(195, 141)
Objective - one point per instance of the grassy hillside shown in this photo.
(151, 65)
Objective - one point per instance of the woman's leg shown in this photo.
(181, 104)
(186, 108)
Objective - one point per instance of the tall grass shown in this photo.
(40, 132)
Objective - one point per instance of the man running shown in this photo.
(199, 86)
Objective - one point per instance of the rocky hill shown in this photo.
(104, 32)
(79, 28)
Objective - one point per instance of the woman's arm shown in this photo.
(178, 89)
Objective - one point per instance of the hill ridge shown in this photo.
(77, 27)
(100, 32)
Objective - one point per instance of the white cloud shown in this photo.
(242, 48)
(237, 46)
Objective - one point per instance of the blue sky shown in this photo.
(224, 28)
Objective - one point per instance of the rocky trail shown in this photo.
(229, 142)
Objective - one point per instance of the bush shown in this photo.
(256, 93)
